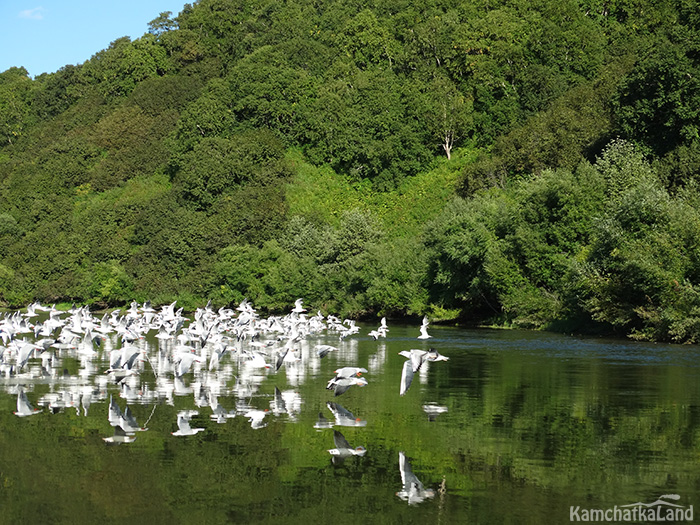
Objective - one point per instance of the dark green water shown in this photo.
(530, 424)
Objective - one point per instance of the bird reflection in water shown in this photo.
(343, 417)
(413, 490)
(183, 424)
(433, 410)
(219, 413)
(256, 418)
(24, 407)
(120, 436)
(343, 449)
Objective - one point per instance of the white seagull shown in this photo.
(424, 329)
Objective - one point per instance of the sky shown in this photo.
(45, 35)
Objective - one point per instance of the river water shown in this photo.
(516, 427)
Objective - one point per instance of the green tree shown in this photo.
(267, 93)
(270, 277)
(509, 254)
(360, 125)
(115, 71)
(573, 128)
(623, 166)
(56, 92)
(216, 166)
(109, 284)
(658, 102)
(15, 101)
(641, 274)
(367, 41)
(166, 94)
(211, 115)
(447, 113)
(162, 24)
(132, 145)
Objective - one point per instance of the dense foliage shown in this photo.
(525, 163)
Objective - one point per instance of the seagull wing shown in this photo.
(408, 478)
(406, 376)
(324, 350)
(129, 418)
(280, 358)
(23, 406)
(119, 431)
(417, 358)
(183, 424)
(340, 441)
(341, 388)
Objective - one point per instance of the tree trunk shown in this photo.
(447, 145)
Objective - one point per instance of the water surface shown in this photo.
(517, 427)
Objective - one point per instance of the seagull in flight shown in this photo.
(345, 378)
(324, 350)
(341, 385)
(298, 306)
(424, 329)
(413, 363)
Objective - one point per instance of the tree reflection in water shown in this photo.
(515, 427)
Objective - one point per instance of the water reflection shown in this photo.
(344, 417)
(413, 490)
(120, 436)
(511, 429)
(125, 420)
(183, 424)
(433, 410)
(153, 357)
(24, 407)
(218, 412)
(343, 449)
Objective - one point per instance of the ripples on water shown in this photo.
(218, 366)
(513, 427)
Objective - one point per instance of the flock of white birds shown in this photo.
(213, 347)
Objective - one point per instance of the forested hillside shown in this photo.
(521, 163)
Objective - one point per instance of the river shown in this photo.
(516, 427)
